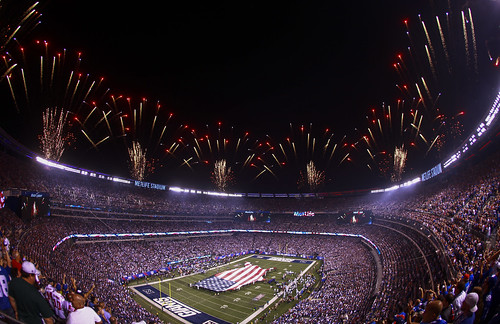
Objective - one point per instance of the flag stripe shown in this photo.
(230, 275)
(246, 271)
(248, 276)
(256, 277)
(234, 278)
(252, 273)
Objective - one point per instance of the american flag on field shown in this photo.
(233, 279)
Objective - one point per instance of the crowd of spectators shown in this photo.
(432, 240)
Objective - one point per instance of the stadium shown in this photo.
(265, 235)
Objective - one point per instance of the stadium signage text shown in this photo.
(432, 172)
(281, 259)
(149, 185)
(176, 307)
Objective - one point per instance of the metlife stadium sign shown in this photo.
(149, 185)
(432, 172)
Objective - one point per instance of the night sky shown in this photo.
(259, 66)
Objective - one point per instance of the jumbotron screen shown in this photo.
(33, 205)
(252, 216)
(359, 217)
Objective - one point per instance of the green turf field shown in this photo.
(237, 306)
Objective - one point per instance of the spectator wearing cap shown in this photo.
(466, 280)
(480, 303)
(28, 303)
(82, 314)
(468, 309)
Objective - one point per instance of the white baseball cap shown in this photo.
(29, 267)
(471, 299)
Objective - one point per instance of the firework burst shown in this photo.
(440, 65)
(441, 58)
(213, 147)
(312, 179)
(432, 39)
(392, 127)
(399, 157)
(305, 150)
(144, 127)
(54, 138)
(52, 78)
(137, 160)
(222, 175)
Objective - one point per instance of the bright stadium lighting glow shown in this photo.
(411, 182)
(115, 179)
(56, 165)
(200, 192)
(481, 129)
(391, 188)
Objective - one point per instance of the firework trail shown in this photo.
(137, 161)
(54, 138)
(222, 175)
(432, 69)
(52, 78)
(312, 178)
(241, 153)
(17, 18)
(393, 130)
(430, 54)
(306, 144)
(474, 44)
(466, 38)
(145, 129)
(443, 43)
(306, 147)
(433, 75)
(400, 155)
(46, 78)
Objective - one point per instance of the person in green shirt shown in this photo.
(27, 302)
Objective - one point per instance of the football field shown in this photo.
(181, 300)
